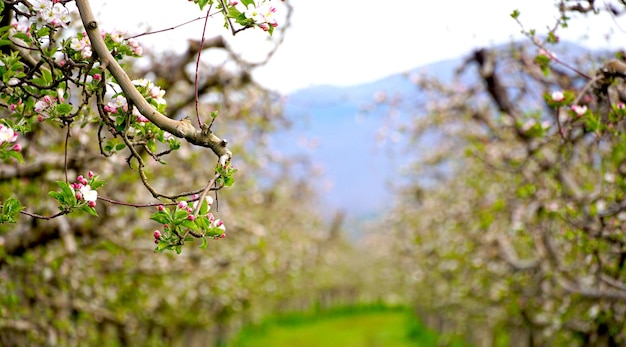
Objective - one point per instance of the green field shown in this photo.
(369, 328)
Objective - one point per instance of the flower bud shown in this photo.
(157, 234)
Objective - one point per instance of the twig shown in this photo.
(206, 20)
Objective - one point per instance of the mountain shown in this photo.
(359, 169)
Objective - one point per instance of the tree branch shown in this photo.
(183, 129)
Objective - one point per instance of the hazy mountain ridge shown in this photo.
(356, 167)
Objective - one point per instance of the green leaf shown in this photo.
(95, 184)
(202, 222)
(515, 14)
(89, 210)
(204, 208)
(161, 246)
(204, 243)
(46, 75)
(151, 144)
(63, 109)
(16, 155)
(248, 2)
(161, 217)
(22, 36)
(180, 216)
(190, 224)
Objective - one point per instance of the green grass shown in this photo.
(344, 328)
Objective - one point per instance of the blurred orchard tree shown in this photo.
(99, 164)
(513, 230)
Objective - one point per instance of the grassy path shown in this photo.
(394, 328)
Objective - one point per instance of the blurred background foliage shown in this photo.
(506, 232)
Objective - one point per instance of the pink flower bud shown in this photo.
(79, 196)
(47, 99)
(191, 217)
(91, 204)
(157, 234)
(160, 208)
(40, 118)
(17, 147)
(13, 107)
(97, 76)
(182, 204)
(156, 242)
(90, 174)
(223, 236)
(82, 180)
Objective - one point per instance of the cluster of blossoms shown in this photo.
(212, 227)
(153, 91)
(262, 14)
(118, 37)
(214, 223)
(83, 191)
(145, 87)
(8, 136)
(50, 13)
(81, 43)
(46, 105)
(560, 98)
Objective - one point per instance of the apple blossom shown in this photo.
(579, 110)
(558, 96)
(208, 199)
(89, 195)
(7, 134)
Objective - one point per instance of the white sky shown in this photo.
(345, 42)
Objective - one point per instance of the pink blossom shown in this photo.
(7, 134)
(157, 234)
(579, 110)
(558, 96)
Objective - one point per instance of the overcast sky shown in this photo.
(345, 42)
